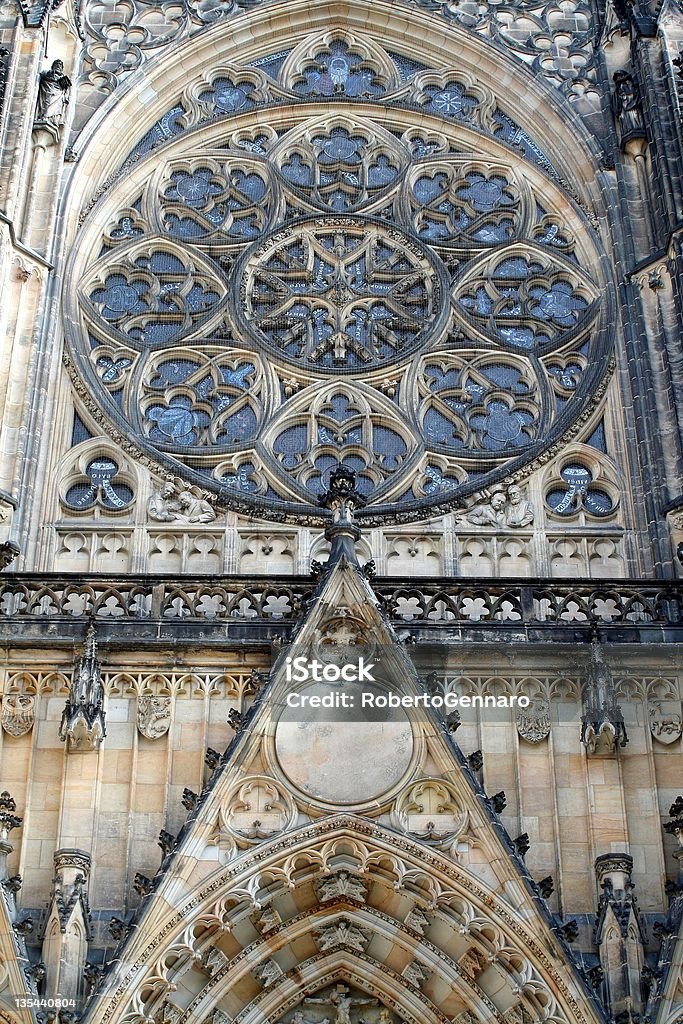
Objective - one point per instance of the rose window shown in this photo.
(261, 298)
(333, 294)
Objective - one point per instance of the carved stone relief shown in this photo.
(510, 509)
(416, 974)
(342, 933)
(267, 973)
(18, 713)
(215, 960)
(533, 722)
(666, 721)
(257, 809)
(170, 504)
(340, 1004)
(154, 716)
(431, 811)
(342, 885)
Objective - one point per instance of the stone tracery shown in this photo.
(383, 227)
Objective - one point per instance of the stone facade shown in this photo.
(434, 246)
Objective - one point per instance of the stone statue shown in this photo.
(627, 107)
(342, 1001)
(53, 97)
(505, 509)
(166, 506)
(490, 514)
(195, 510)
(520, 511)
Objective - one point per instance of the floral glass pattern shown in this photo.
(270, 297)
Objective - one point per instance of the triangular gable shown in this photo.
(413, 895)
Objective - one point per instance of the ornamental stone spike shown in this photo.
(69, 926)
(8, 821)
(83, 721)
(619, 934)
(342, 499)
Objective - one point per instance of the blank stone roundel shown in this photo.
(342, 761)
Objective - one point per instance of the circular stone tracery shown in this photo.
(339, 292)
(254, 307)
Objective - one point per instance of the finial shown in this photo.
(342, 499)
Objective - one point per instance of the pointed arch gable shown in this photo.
(265, 915)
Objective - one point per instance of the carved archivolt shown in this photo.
(480, 944)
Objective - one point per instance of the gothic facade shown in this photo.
(340, 329)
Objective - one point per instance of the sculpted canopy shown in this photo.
(383, 272)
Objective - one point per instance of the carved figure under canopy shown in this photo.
(54, 90)
(627, 107)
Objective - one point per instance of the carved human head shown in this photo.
(168, 490)
(497, 500)
(624, 81)
(58, 67)
(514, 494)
